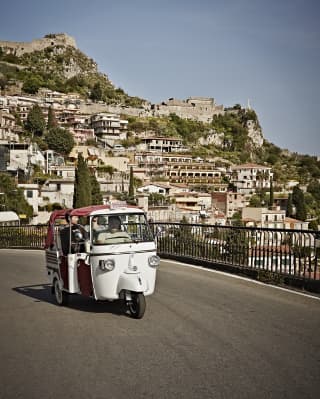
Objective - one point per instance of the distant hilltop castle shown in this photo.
(53, 39)
(200, 108)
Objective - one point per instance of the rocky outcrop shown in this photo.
(214, 138)
(255, 134)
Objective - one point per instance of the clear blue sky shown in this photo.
(231, 50)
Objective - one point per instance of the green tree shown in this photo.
(255, 201)
(82, 186)
(313, 225)
(60, 140)
(156, 199)
(3, 82)
(35, 123)
(131, 184)
(289, 209)
(52, 121)
(236, 219)
(12, 198)
(299, 203)
(271, 196)
(17, 117)
(314, 189)
(96, 92)
(96, 196)
(32, 84)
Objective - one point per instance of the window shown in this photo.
(29, 194)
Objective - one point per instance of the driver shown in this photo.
(114, 233)
(114, 224)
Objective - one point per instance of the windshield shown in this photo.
(120, 229)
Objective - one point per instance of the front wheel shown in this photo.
(137, 305)
(61, 296)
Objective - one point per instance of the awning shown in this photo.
(8, 216)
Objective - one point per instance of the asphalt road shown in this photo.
(204, 335)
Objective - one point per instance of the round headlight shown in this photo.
(154, 261)
(106, 265)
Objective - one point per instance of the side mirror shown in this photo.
(78, 236)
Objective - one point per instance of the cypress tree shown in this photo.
(82, 184)
(299, 203)
(271, 197)
(96, 196)
(52, 120)
(289, 210)
(131, 184)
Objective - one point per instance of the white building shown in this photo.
(58, 191)
(63, 171)
(163, 188)
(23, 158)
(7, 127)
(155, 188)
(109, 128)
(274, 218)
(264, 217)
(249, 177)
(161, 144)
(31, 194)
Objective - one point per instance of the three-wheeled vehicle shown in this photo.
(111, 255)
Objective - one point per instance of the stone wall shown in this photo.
(19, 48)
(201, 109)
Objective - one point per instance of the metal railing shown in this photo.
(272, 255)
(27, 237)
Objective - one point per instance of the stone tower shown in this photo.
(54, 39)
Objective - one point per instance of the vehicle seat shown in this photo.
(65, 240)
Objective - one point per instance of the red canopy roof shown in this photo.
(61, 214)
(58, 214)
(87, 210)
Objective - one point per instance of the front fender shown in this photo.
(132, 282)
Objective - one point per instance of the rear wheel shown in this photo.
(137, 305)
(61, 296)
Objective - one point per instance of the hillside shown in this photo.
(56, 63)
(233, 134)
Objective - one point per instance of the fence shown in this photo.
(23, 236)
(275, 255)
(271, 255)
